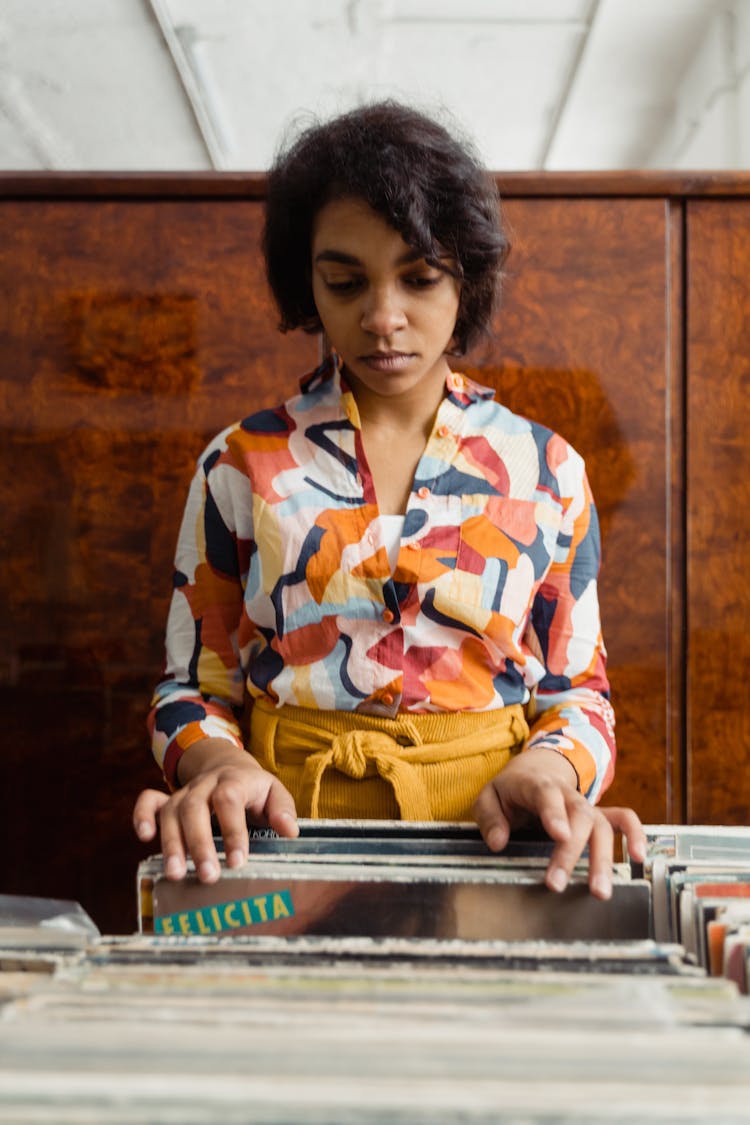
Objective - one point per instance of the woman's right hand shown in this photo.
(217, 778)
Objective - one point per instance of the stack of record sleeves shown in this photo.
(435, 882)
(388, 879)
(700, 881)
(377, 971)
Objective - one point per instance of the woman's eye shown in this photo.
(424, 280)
(351, 285)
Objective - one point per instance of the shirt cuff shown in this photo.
(574, 752)
(211, 727)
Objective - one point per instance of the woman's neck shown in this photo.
(412, 413)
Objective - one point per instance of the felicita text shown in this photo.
(228, 915)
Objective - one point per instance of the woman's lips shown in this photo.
(387, 361)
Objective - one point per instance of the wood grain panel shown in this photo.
(676, 547)
(718, 539)
(133, 332)
(581, 344)
(626, 183)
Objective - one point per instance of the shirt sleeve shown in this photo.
(570, 709)
(201, 694)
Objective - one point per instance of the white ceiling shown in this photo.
(195, 84)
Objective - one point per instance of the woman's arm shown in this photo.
(196, 738)
(201, 695)
(570, 711)
(569, 757)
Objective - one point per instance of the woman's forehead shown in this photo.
(349, 228)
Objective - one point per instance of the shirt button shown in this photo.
(387, 698)
(388, 615)
(444, 431)
(423, 492)
(412, 546)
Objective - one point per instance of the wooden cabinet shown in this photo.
(717, 617)
(135, 324)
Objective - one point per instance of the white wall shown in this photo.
(553, 84)
(710, 123)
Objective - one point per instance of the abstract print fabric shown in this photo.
(283, 587)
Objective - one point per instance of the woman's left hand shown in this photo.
(541, 784)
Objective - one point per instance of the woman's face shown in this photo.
(389, 315)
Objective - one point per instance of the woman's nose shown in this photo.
(382, 313)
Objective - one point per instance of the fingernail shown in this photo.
(560, 828)
(496, 840)
(208, 872)
(143, 828)
(236, 857)
(173, 867)
(557, 879)
(601, 886)
(291, 821)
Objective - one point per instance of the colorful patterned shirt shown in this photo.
(283, 587)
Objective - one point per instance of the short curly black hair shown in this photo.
(427, 185)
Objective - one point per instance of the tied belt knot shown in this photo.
(353, 752)
(433, 765)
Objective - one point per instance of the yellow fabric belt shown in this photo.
(414, 767)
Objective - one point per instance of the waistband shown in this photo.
(301, 744)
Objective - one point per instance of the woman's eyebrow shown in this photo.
(337, 256)
(343, 259)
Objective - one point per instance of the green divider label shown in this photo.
(228, 915)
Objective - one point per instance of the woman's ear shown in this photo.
(454, 348)
(311, 324)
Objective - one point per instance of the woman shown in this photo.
(398, 571)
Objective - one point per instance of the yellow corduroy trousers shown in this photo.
(414, 767)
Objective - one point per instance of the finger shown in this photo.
(145, 812)
(229, 799)
(601, 855)
(195, 823)
(627, 821)
(280, 810)
(172, 842)
(491, 819)
(568, 849)
(552, 810)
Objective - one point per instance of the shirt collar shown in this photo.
(463, 391)
(315, 379)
